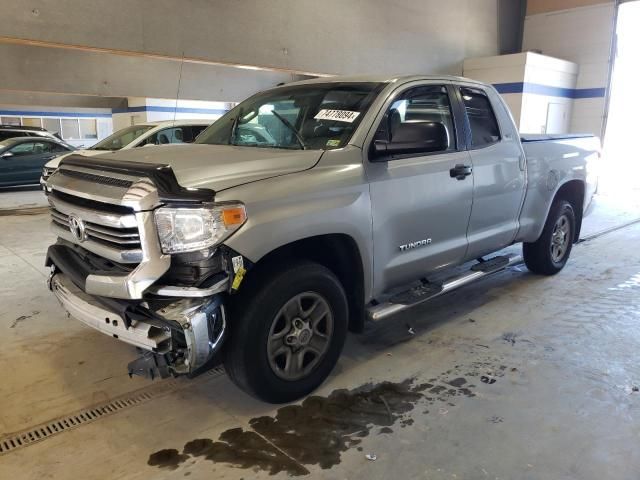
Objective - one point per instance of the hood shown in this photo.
(219, 167)
(53, 163)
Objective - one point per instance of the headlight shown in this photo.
(47, 172)
(191, 229)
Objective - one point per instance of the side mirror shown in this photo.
(6, 155)
(413, 137)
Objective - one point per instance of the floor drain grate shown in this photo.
(50, 428)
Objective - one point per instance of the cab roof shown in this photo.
(384, 79)
(9, 140)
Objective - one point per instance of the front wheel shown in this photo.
(287, 332)
(549, 254)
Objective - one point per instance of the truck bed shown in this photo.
(543, 137)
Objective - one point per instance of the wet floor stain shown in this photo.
(244, 449)
(168, 458)
(319, 430)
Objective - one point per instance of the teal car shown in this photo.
(22, 158)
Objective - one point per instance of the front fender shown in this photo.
(329, 199)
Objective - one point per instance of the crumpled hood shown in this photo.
(219, 167)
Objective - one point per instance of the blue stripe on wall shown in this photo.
(146, 108)
(590, 93)
(25, 113)
(539, 89)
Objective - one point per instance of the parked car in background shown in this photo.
(140, 135)
(12, 131)
(22, 158)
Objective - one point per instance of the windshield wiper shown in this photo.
(290, 127)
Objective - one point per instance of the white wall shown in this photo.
(500, 70)
(581, 35)
(538, 89)
(102, 117)
(141, 110)
(549, 110)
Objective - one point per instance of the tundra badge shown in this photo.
(412, 245)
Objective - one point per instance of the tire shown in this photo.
(549, 254)
(271, 316)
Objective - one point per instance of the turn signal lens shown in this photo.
(234, 216)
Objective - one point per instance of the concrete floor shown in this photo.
(22, 198)
(516, 377)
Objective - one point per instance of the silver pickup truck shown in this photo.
(300, 214)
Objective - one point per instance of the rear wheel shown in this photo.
(287, 332)
(549, 254)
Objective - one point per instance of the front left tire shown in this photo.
(288, 329)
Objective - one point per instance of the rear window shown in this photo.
(482, 120)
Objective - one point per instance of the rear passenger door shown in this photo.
(498, 171)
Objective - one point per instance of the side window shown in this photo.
(177, 135)
(57, 148)
(6, 134)
(183, 135)
(163, 136)
(190, 132)
(151, 140)
(428, 104)
(170, 135)
(196, 129)
(21, 149)
(482, 120)
(41, 147)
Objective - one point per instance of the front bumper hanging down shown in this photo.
(179, 338)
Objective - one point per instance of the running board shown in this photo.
(417, 295)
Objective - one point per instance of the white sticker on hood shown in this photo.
(337, 115)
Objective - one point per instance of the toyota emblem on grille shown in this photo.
(76, 226)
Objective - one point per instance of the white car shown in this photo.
(140, 135)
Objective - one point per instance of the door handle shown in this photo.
(460, 172)
(521, 162)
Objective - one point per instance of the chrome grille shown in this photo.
(110, 231)
(125, 238)
(112, 219)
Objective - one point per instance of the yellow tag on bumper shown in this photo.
(237, 280)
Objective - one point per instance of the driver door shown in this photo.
(420, 212)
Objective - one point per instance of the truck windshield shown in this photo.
(121, 138)
(313, 116)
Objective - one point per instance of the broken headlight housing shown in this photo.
(190, 229)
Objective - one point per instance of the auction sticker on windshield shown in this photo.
(337, 115)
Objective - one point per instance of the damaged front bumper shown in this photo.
(177, 336)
